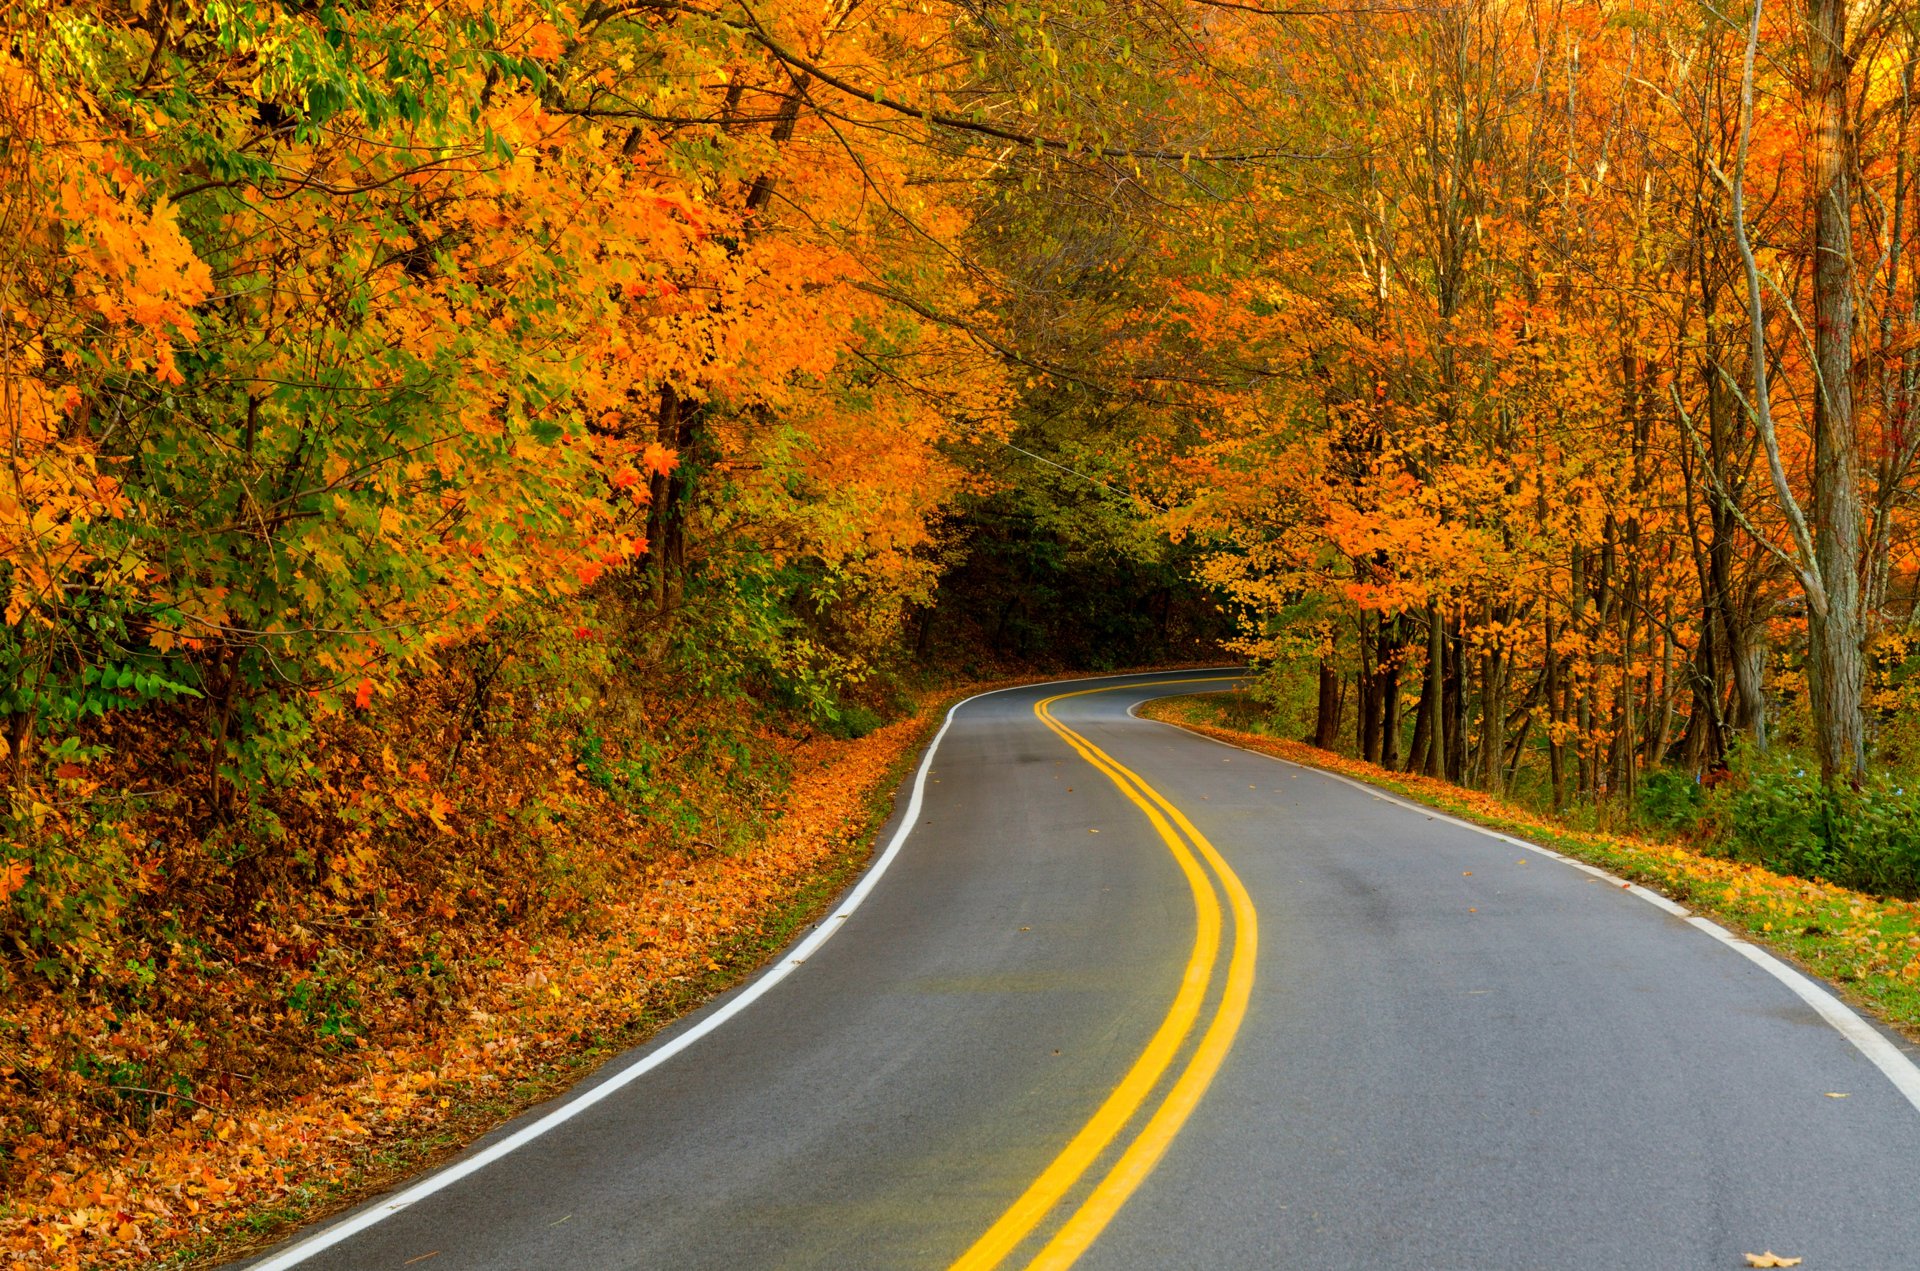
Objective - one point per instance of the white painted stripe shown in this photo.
(328, 1237)
(1892, 1061)
(1870, 1041)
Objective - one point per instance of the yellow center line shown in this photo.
(1157, 1135)
(1114, 1113)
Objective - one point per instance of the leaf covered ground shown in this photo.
(1868, 946)
(237, 1081)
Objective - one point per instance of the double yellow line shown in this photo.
(1121, 1107)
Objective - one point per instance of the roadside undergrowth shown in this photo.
(222, 1089)
(1868, 946)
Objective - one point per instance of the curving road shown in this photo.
(1127, 998)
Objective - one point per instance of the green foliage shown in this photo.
(330, 1003)
(1669, 799)
(1054, 573)
(852, 722)
(77, 878)
(1286, 690)
(1783, 816)
(56, 686)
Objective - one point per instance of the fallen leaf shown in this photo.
(1770, 1259)
(1836, 1094)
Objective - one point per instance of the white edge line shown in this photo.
(1893, 1062)
(406, 1198)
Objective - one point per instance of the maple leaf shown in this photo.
(12, 876)
(544, 42)
(1771, 1259)
(658, 459)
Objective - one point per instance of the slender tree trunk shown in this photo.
(1493, 712)
(1422, 733)
(1749, 681)
(1723, 624)
(1582, 706)
(1326, 723)
(1556, 717)
(1626, 730)
(1517, 748)
(673, 547)
(1453, 702)
(1668, 695)
(660, 494)
(1367, 721)
(1391, 646)
(1433, 697)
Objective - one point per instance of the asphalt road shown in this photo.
(1456, 1053)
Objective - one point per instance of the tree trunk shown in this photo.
(1453, 703)
(1749, 676)
(1388, 653)
(1556, 717)
(1367, 721)
(1626, 730)
(1836, 629)
(1579, 689)
(1493, 714)
(1433, 697)
(660, 494)
(1326, 723)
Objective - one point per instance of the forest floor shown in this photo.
(1867, 947)
(202, 1179)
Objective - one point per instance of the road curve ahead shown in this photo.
(1127, 998)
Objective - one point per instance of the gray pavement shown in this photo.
(1458, 1055)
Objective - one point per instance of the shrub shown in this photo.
(1782, 816)
(851, 722)
(1670, 799)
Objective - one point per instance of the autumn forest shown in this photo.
(472, 466)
